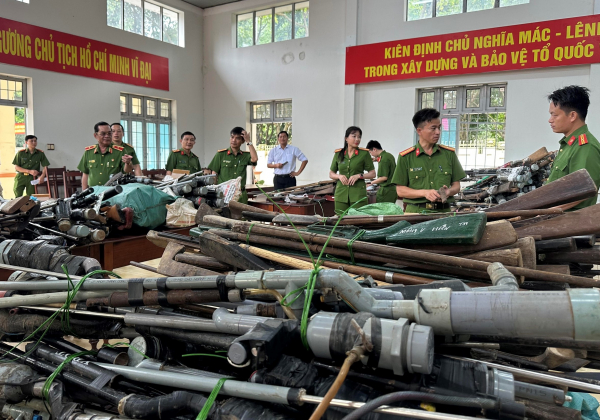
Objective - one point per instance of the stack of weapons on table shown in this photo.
(301, 194)
(195, 187)
(415, 316)
(79, 219)
(499, 185)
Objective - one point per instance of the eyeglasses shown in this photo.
(104, 133)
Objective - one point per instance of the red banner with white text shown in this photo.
(40, 48)
(564, 42)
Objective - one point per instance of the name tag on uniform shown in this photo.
(226, 161)
(416, 169)
(92, 161)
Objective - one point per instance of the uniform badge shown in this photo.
(582, 139)
(418, 152)
(571, 141)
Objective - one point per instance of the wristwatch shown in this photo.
(361, 176)
(248, 144)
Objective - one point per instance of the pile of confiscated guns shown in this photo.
(499, 185)
(81, 218)
(195, 187)
(404, 314)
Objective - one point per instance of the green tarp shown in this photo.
(148, 203)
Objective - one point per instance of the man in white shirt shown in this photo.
(282, 159)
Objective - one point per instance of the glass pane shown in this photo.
(261, 111)
(124, 124)
(150, 107)
(301, 20)
(18, 91)
(133, 16)
(164, 109)
(123, 104)
(20, 126)
(152, 24)
(473, 98)
(283, 110)
(114, 13)
(448, 7)
(283, 23)
(170, 26)
(244, 30)
(449, 99)
(497, 96)
(264, 28)
(475, 5)
(449, 132)
(137, 139)
(419, 9)
(12, 85)
(165, 144)
(427, 99)
(152, 158)
(136, 106)
(504, 3)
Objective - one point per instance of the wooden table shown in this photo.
(118, 251)
(325, 208)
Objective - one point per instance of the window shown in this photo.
(423, 9)
(268, 119)
(146, 18)
(147, 129)
(473, 121)
(272, 25)
(13, 101)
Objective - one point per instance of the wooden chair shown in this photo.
(72, 182)
(46, 185)
(56, 180)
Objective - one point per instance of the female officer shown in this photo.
(348, 167)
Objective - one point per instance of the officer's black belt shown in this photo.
(284, 175)
(432, 206)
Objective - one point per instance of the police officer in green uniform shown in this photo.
(183, 158)
(579, 149)
(29, 163)
(232, 162)
(118, 132)
(101, 161)
(348, 167)
(423, 169)
(385, 172)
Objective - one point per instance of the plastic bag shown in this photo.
(386, 209)
(147, 202)
(232, 189)
(181, 213)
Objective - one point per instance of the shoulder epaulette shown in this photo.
(221, 150)
(22, 150)
(407, 151)
(337, 150)
(119, 148)
(38, 150)
(90, 147)
(126, 145)
(583, 139)
(175, 150)
(443, 146)
(362, 148)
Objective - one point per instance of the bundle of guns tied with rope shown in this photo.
(82, 218)
(511, 180)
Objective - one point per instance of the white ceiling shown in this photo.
(209, 3)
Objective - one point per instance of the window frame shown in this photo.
(293, 35)
(23, 102)
(180, 23)
(128, 117)
(464, 9)
(273, 106)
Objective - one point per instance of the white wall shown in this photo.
(65, 107)
(321, 101)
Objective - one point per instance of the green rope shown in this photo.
(48, 383)
(63, 311)
(351, 242)
(203, 415)
(204, 354)
(299, 290)
(310, 285)
(248, 234)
